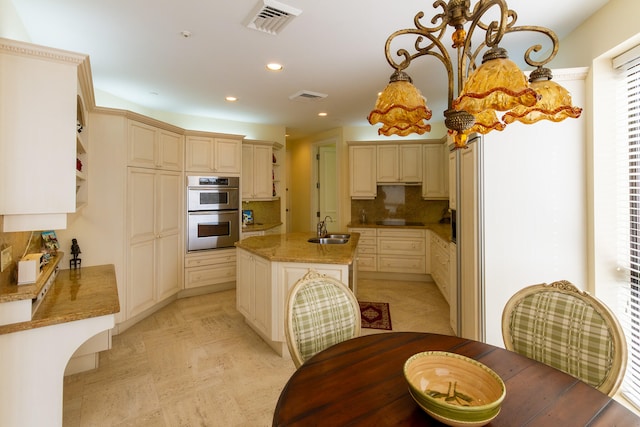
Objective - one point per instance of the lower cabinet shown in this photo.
(210, 268)
(401, 251)
(253, 291)
(154, 234)
(367, 249)
(440, 270)
(262, 287)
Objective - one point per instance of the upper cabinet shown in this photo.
(362, 171)
(39, 142)
(211, 153)
(155, 148)
(260, 170)
(435, 161)
(401, 163)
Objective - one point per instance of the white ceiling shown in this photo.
(335, 47)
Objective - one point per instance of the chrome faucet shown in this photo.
(322, 226)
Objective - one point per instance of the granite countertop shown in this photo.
(442, 230)
(76, 294)
(293, 247)
(259, 227)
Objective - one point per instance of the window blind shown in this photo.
(628, 221)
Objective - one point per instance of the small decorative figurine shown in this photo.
(75, 262)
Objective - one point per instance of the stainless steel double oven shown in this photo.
(213, 218)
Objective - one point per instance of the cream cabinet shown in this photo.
(400, 163)
(362, 171)
(155, 257)
(210, 268)
(435, 183)
(211, 153)
(440, 265)
(453, 198)
(367, 249)
(401, 250)
(38, 138)
(257, 171)
(453, 287)
(151, 147)
(253, 291)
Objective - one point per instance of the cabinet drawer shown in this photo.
(367, 241)
(366, 249)
(209, 275)
(395, 246)
(224, 256)
(400, 232)
(367, 262)
(364, 232)
(401, 264)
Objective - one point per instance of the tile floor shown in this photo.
(196, 363)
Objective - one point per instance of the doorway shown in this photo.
(325, 183)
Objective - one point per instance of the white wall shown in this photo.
(535, 206)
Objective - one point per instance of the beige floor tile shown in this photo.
(196, 362)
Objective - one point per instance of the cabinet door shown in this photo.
(244, 281)
(410, 163)
(141, 277)
(37, 138)
(362, 168)
(387, 163)
(169, 215)
(434, 184)
(247, 171)
(170, 150)
(141, 145)
(199, 154)
(262, 295)
(227, 155)
(262, 172)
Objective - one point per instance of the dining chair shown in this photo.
(321, 311)
(568, 329)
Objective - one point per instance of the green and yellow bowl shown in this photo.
(454, 389)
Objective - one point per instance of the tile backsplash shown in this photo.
(267, 212)
(399, 202)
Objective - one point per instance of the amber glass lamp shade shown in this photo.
(486, 121)
(554, 105)
(400, 108)
(498, 84)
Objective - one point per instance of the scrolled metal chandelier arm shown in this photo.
(555, 44)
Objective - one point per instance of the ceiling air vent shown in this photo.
(307, 96)
(271, 16)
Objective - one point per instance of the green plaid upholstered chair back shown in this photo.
(321, 311)
(569, 329)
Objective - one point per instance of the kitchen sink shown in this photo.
(328, 240)
(337, 236)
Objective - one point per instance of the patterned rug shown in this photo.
(375, 315)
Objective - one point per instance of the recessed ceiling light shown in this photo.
(322, 114)
(273, 66)
(185, 33)
(231, 98)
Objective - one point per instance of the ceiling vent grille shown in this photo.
(307, 96)
(271, 17)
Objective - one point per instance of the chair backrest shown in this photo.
(321, 311)
(569, 329)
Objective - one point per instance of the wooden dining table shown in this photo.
(361, 382)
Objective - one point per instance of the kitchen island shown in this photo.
(268, 266)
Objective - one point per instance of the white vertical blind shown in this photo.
(628, 222)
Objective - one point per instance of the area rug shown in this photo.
(375, 315)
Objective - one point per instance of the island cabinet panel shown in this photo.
(253, 291)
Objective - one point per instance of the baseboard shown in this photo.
(203, 290)
(381, 275)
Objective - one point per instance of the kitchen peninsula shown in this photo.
(268, 266)
(35, 351)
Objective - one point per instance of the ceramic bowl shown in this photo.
(454, 389)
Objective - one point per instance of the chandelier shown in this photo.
(497, 86)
